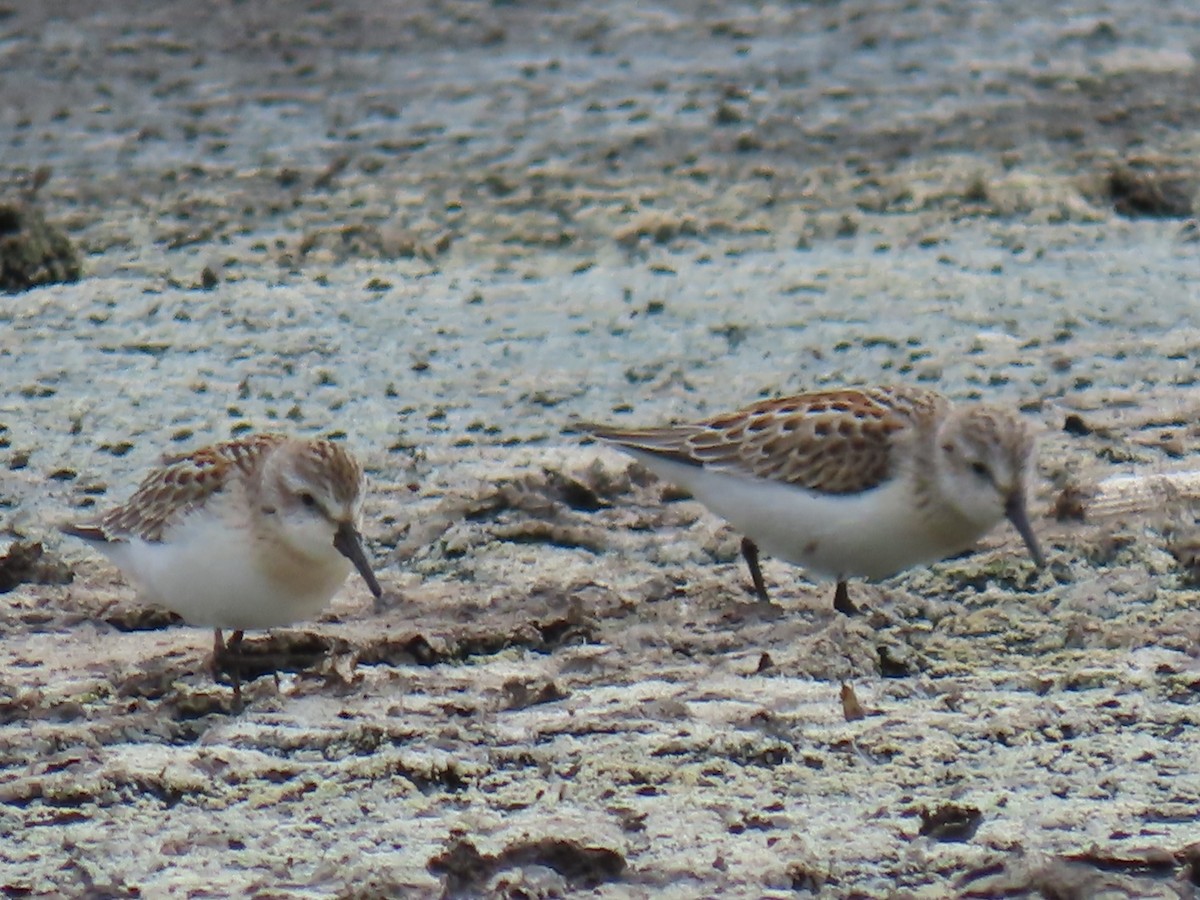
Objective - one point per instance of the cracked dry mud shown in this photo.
(447, 232)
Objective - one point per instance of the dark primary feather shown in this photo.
(94, 533)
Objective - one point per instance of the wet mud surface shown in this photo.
(448, 233)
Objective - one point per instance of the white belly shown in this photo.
(872, 535)
(216, 576)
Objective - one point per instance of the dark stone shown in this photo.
(33, 252)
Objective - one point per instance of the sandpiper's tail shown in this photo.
(670, 443)
(92, 533)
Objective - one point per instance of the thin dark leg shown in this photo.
(218, 655)
(750, 552)
(841, 600)
(234, 652)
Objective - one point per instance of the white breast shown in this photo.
(221, 576)
(873, 534)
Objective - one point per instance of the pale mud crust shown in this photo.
(448, 231)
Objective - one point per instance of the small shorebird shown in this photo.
(255, 532)
(857, 482)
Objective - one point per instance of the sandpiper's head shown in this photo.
(984, 458)
(313, 491)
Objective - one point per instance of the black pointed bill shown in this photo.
(348, 542)
(1014, 509)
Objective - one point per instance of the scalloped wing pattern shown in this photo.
(184, 483)
(831, 442)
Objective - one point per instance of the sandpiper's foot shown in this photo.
(841, 600)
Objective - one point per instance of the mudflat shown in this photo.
(447, 232)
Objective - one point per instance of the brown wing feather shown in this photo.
(833, 442)
(183, 483)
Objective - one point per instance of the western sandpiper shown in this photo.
(856, 482)
(255, 532)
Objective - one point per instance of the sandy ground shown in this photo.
(445, 232)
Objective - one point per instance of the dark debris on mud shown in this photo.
(27, 562)
(570, 864)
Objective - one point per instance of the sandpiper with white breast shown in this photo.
(255, 532)
(859, 482)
